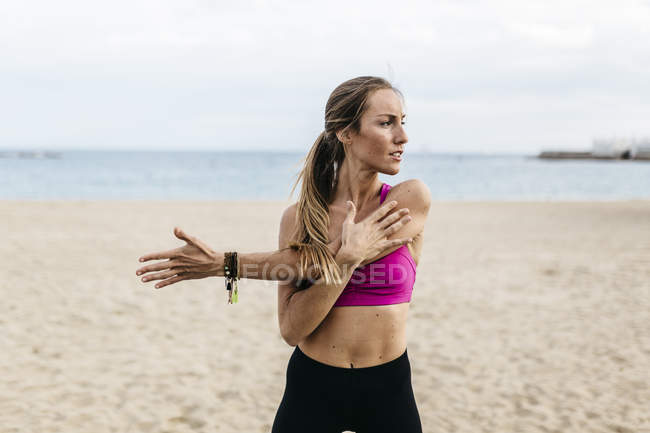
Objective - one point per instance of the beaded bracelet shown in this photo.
(231, 266)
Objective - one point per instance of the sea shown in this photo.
(255, 175)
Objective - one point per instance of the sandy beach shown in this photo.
(525, 317)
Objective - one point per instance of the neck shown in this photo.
(356, 183)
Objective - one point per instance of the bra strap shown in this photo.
(384, 192)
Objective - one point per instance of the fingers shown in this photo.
(165, 254)
(397, 225)
(180, 234)
(382, 210)
(172, 280)
(404, 241)
(160, 255)
(390, 219)
(397, 242)
(162, 275)
(157, 267)
(352, 212)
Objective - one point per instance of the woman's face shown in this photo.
(382, 133)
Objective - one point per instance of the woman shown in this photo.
(350, 368)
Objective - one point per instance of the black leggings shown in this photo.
(321, 398)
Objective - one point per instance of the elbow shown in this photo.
(290, 340)
(290, 336)
(291, 343)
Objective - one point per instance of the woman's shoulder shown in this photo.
(290, 211)
(288, 224)
(414, 195)
(411, 191)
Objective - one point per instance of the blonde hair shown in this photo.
(319, 175)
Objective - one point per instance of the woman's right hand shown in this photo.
(368, 238)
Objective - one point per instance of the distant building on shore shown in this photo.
(607, 148)
(621, 148)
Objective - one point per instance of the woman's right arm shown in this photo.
(300, 312)
(312, 301)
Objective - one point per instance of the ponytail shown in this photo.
(319, 175)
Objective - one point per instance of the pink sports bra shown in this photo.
(386, 281)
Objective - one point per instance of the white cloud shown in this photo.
(505, 76)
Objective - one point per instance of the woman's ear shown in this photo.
(344, 136)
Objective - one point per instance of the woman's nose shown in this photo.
(402, 138)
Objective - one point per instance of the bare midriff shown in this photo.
(359, 336)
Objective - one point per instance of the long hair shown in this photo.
(319, 175)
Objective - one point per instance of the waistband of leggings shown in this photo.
(400, 360)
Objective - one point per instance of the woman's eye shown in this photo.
(386, 123)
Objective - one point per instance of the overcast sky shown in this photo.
(494, 76)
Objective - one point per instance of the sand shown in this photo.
(525, 317)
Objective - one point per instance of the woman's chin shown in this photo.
(393, 169)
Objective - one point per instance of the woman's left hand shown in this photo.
(193, 261)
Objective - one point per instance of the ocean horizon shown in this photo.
(268, 175)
